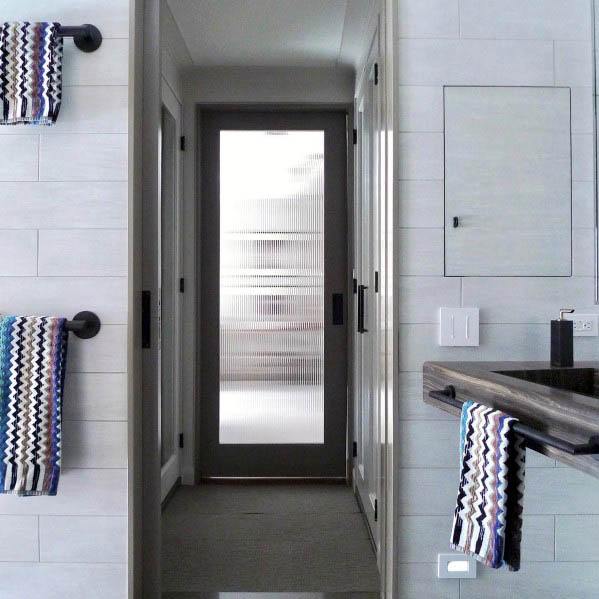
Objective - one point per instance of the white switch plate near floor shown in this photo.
(459, 327)
(585, 325)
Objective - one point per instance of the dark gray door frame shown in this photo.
(305, 459)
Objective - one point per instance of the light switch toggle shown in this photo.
(459, 327)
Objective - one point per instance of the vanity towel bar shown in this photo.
(448, 396)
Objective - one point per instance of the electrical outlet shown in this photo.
(585, 325)
(455, 565)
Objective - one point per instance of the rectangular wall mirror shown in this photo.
(508, 181)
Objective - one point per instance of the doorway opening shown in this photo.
(271, 418)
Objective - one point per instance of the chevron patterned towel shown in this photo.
(487, 522)
(33, 353)
(30, 73)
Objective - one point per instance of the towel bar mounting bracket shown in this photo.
(84, 325)
(87, 38)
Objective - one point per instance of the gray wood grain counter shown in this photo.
(563, 402)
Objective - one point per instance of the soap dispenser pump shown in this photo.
(562, 340)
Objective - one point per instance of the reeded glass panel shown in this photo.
(271, 287)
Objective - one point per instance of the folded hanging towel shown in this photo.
(30, 73)
(33, 353)
(487, 522)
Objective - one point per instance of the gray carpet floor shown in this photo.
(230, 541)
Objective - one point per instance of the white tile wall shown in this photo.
(421, 204)
(474, 62)
(18, 253)
(496, 42)
(45, 205)
(19, 157)
(106, 296)
(428, 18)
(63, 249)
(19, 539)
(81, 539)
(64, 581)
(83, 157)
(83, 253)
(95, 396)
(532, 19)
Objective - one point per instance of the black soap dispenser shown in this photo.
(562, 340)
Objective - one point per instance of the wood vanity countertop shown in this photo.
(565, 414)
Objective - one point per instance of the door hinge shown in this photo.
(182, 143)
(355, 449)
(376, 73)
(181, 441)
(146, 319)
(355, 136)
(376, 281)
(182, 285)
(376, 510)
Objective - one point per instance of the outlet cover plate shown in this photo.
(585, 325)
(459, 327)
(455, 565)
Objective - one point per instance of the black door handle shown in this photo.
(337, 308)
(361, 290)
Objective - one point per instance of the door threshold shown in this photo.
(284, 480)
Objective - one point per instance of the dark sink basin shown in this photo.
(577, 380)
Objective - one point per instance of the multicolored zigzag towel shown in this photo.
(487, 522)
(30, 73)
(33, 352)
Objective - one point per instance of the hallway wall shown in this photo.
(507, 42)
(63, 248)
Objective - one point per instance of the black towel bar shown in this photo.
(87, 38)
(448, 396)
(84, 325)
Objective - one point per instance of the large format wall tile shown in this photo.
(64, 581)
(19, 157)
(82, 539)
(533, 19)
(92, 444)
(474, 62)
(80, 252)
(107, 352)
(428, 18)
(19, 539)
(101, 492)
(534, 581)
(63, 205)
(18, 254)
(108, 65)
(83, 157)
(65, 296)
(95, 396)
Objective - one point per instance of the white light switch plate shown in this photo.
(459, 327)
(455, 565)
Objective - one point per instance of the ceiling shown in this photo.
(272, 33)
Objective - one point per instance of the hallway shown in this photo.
(266, 538)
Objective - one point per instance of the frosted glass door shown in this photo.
(271, 322)
(273, 256)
